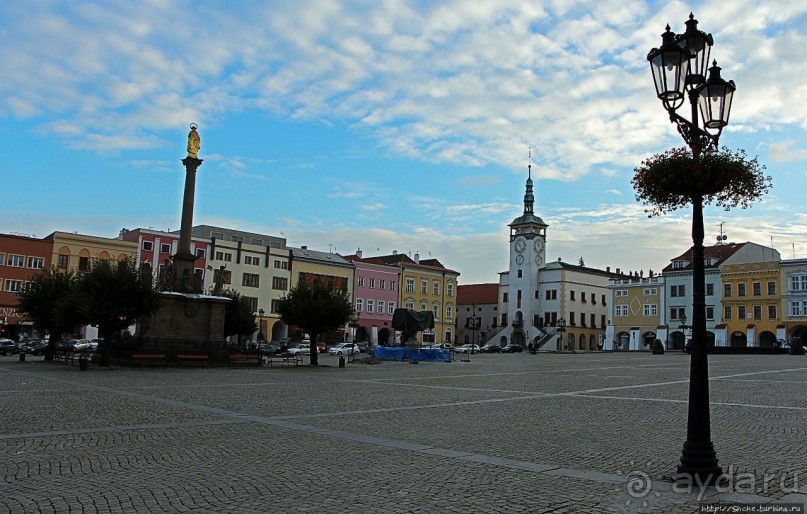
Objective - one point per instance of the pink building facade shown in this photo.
(375, 298)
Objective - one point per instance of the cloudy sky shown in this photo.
(387, 125)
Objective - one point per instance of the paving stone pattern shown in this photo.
(501, 433)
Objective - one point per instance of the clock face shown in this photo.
(519, 259)
(538, 244)
(539, 259)
(521, 244)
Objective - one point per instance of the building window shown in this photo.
(409, 303)
(252, 302)
(370, 305)
(359, 304)
(165, 248)
(505, 297)
(757, 288)
(217, 235)
(62, 261)
(2, 259)
(280, 283)
(620, 310)
(148, 246)
(771, 311)
(436, 311)
(436, 288)
(650, 309)
(449, 312)
(757, 312)
(741, 311)
(450, 288)
(380, 307)
(83, 263)
(256, 242)
(727, 290)
(771, 288)
(741, 289)
(504, 319)
(13, 286)
(621, 292)
(798, 283)
(678, 312)
(650, 291)
(200, 253)
(603, 300)
(520, 274)
(392, 285)
(382, 284)
(727, 312)
(424, 286)
(252, 261)
(281, 264)
(571, 295)
(710, 313)
(410, 285)
(798, 308)
(238, 239)
(16, 261)
(678, 291)
(275, 303)
(710, 289)
(36, 262)
(361, 281)
(391, 308)
(372, 283)
(251, 280)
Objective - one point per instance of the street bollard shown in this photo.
(22, 356)
(341, 361)
(83, 363)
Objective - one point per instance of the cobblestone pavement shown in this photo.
(501, 433)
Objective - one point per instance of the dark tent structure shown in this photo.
(409, 322)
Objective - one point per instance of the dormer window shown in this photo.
(679, 264)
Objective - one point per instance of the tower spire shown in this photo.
(529, 198)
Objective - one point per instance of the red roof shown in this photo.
(478, 294)
(720, 252)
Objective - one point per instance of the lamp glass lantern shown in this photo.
(670, 67)
(699, 45)
(715, 99)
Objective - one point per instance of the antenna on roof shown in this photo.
(721, 237)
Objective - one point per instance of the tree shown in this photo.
(44, 301)
(316, 308)
(113, 295)
(239, 318)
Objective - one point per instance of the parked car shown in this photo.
(81, 345)
(65, 344)
(491, 348)
(321, 348)
(344, 349)
(8, 347)
(35, 347)
(466, 348)
(300, 349)
(512, 348)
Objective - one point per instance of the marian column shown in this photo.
(183, 279)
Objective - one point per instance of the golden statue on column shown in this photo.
(194, 142)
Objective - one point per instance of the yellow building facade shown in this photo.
(77, 251)
(751, 303)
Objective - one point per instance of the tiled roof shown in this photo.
(720, 252)
(478, 294)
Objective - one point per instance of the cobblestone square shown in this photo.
(599, 432)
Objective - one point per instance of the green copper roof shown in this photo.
(528, 219)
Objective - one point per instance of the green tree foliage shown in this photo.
(44, 301)
(316, 308)
(239, 319)
(669, 181)
(113, 295)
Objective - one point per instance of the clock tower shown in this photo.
(527, 256)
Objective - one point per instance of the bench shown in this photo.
(148, 359)
(192, 360)
(240, 359)
(285, 359)
(60, 356)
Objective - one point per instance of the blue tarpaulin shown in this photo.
(411, 354)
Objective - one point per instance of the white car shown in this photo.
(300, 349)
(344, 349)
(81, 345)
(473, 348)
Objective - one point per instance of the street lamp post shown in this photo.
(473, 323)
(261, 334)
(679, 71)
(561, 330)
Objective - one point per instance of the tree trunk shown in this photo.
(314, 354)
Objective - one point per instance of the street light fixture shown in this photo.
(679, 70)
(561, 330)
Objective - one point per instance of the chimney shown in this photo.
(304, 247)
(358, 253)
(608, 269)
(395, 252)
(417, 258)
(617, 271)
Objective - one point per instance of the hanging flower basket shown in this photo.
(672, 179)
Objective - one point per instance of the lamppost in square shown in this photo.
(679, 72)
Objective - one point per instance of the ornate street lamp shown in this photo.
(561, 330)
(676, 71)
